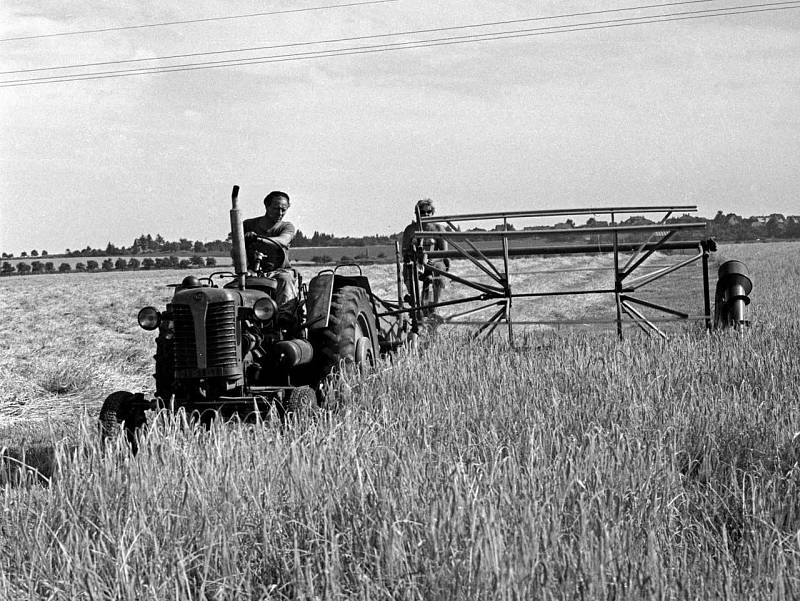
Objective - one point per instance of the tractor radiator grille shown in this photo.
(185, 347)
(219, 339)
(221, 335)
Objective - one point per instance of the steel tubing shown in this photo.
(559, 212)
(565, 249)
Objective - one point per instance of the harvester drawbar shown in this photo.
(225, 347)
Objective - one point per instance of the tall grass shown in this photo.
(573, 466)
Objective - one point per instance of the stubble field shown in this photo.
(571, 466)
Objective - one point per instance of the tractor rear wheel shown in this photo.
(122, 411)
(351, 338)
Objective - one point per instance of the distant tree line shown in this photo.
(147, 244)
(323, 239)
(91, 266)
(728, 227)
(723, 227)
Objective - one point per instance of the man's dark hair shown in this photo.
(275, 194)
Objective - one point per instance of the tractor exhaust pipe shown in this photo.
(237, 237)
(732, 295)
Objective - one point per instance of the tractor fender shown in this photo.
(318, 300)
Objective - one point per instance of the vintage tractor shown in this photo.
(225, 347)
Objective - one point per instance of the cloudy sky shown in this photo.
(702, 111)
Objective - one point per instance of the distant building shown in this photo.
(762, 220)
(637, 220)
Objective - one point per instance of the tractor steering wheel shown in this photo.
(264, 254)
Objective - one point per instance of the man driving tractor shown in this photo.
(267, 240)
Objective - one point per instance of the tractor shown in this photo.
(224, 346)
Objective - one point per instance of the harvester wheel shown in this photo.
(120, 411)
(351, 338)
(298, 402)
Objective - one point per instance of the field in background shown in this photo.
(574, 466)
(303, 254)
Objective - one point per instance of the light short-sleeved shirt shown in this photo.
(427, 243)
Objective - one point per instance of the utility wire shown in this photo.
(399, 45)
(188, 21)
(767, 7)
(370, 37)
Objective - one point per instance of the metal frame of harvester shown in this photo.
(629, 246)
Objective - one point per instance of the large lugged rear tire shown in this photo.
(122, 412)
(351, 337)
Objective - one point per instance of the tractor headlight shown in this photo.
(149, 318)
(265, 309)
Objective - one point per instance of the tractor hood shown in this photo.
(207, 339)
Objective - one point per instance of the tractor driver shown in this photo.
(424, 208)
(272, 227)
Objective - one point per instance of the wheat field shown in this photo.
(572, 466)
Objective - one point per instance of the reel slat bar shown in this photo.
(567, 249)
(495, 275)
(559, 213)
(507, 234)
(640, 319)
(584, 322)
(643, 280)
(652, 305)
(650, 250)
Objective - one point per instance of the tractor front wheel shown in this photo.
(298, 403)
(123, 411)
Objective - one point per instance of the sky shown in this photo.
(702, 112)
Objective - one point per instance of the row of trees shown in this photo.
(147, 244)
(132, 264)
(723, 227)
(23, 254)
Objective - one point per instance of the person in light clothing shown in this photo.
(412, 268)
(261, 237)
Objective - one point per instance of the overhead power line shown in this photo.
(371, 37)
(608, 24)
(189, 21)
